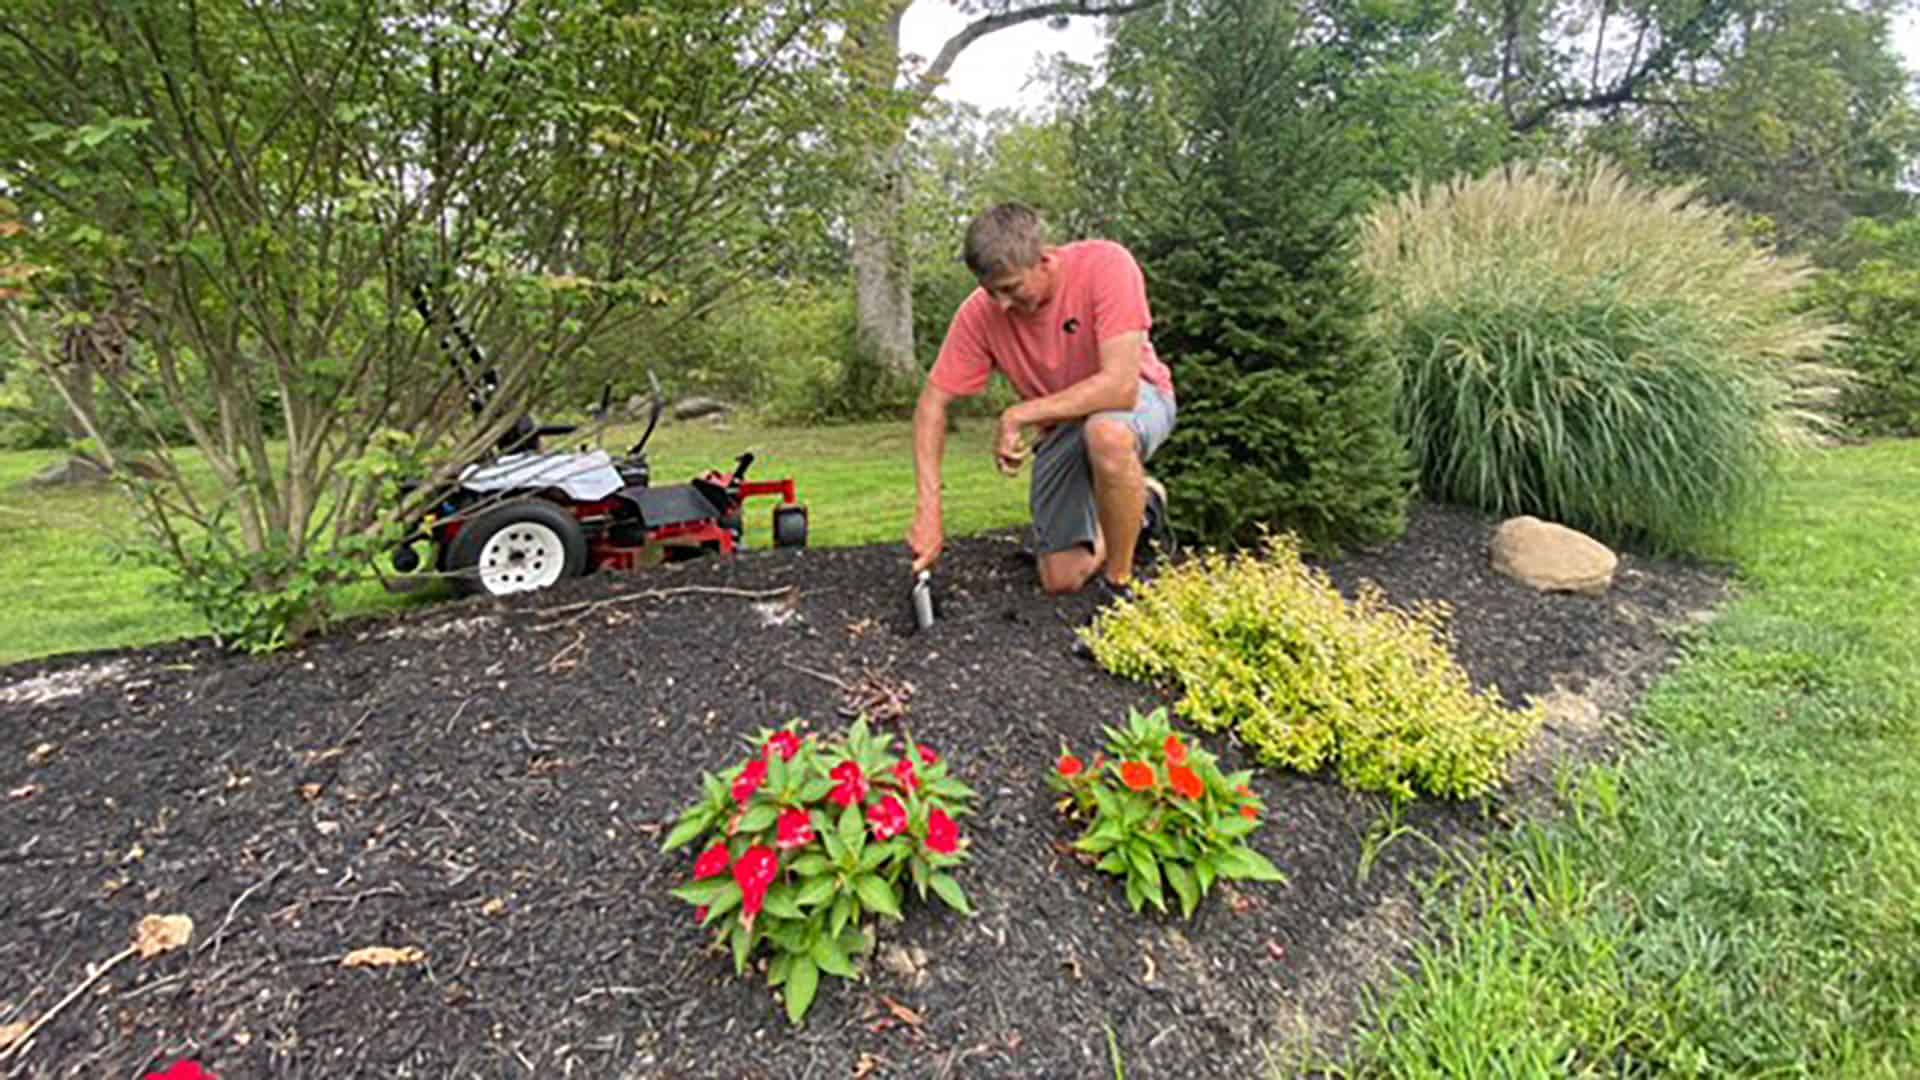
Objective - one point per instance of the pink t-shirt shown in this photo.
(1100, 295)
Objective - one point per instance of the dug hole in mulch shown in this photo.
(488, 782)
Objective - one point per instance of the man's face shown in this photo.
(1024, 291)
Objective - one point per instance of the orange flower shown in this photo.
(1251, 813)
(1176, 751)
(1185, 781)
(1243, 791)
(1070, 766)
(1136, 775)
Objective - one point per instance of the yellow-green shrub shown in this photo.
(1265, 645)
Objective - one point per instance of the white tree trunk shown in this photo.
(883, 275)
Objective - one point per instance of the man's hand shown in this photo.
(1008, 452)
(925, 539)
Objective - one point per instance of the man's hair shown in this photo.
(1010, 236)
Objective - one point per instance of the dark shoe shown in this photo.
(1157, 544)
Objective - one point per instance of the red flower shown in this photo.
(754, 873)
(750, 780)
(903, 772)
(1185, 781)
(1243, 790)
(786, 742)
(928, 757)
(853, 784)
(183, 1070)
(1070, 766)
(794, 831)
(943, 836)
(711, 863)
(1176, 751)
(1251, 813)
(1136, 775)
(889, 819)
(700, 914)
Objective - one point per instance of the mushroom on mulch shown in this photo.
(486, 782)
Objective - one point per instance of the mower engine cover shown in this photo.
(583, 476)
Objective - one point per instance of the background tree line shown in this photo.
(219, 215)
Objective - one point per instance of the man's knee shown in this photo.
(1067, 571)
(1111, 444)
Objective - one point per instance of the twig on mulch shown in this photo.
(588, 607)
(873, 694)
(213, 941)
(20, 1043)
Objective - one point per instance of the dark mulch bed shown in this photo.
(487, 781)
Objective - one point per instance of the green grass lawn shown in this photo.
(69, 592)
(1744, 897)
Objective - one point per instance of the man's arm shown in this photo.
(926, 536)
(1115, 386)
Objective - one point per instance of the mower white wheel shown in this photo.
(521, 557)
(516, 547)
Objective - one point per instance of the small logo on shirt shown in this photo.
(1070, 326)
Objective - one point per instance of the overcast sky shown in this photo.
(996, 71)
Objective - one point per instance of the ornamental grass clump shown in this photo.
(1265, 646)
(1159, 810)
(805, 840)
(1616, 358)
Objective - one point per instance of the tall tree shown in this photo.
(883, 269)
(271, 182)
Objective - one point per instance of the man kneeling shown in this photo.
(1068, 327)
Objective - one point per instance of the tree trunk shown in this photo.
(883, 276)
(882, 270)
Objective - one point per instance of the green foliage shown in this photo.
(1231, 147)
(1738, 898)
(1266, 647)
(253, 200)
(1877, 294)
(808, 838)
(1582, 350)
(1162, 815)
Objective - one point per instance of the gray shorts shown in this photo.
(1061, 497)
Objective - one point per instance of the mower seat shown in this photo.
(671, 505)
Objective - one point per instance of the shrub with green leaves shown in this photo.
(1878, 296)
(1265, 646)
(1578, 348)
(805, 840)
(1161, 810)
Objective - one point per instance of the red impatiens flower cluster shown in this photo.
(795, 830)
(754, 873)
(749, 781)
(711, 863)
(1137, 775)
(784, 743)
(943, 836)
(852, 784)
(888, 818)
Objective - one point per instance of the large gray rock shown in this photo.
(1552, 558)
(695, 407)
(74, 471)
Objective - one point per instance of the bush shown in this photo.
(1267, 647)
(1878, 296)
(1160, 809)
(1286, 408)
(1613, 358)
(808, 837)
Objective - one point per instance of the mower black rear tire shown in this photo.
(790, 526)
(518, 546)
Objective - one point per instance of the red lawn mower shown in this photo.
(529, 517)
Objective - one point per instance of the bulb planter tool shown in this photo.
(923, 599)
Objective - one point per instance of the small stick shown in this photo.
(27, 1036)
(588, 607)
(235, 909)
(821, 675)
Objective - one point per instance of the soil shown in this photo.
(487, 781)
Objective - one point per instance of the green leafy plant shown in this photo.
(1161, 811)
(1877, 294)
(1613, 357)
(1265, 646)
(801, 843)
